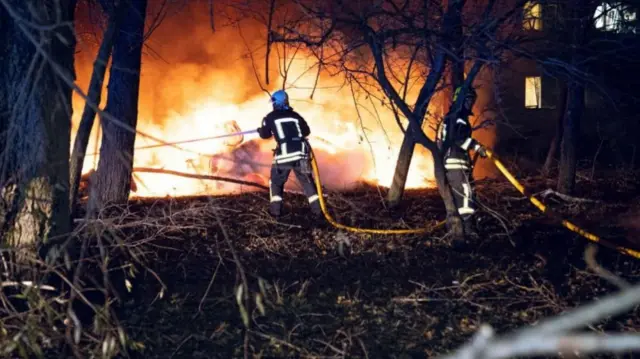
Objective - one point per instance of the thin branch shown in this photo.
(199, 176)
(590, 259)
(584, 344)
(409, 67)
(272, 8)
(549, 337)
(315, 83)
(212, 18)
(613, 304)
(253, 63)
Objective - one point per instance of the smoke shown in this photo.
(195, 81)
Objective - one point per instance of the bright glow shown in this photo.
(606, 17)
(614, 18)
(532, 16)
(347, 154)
(533, 92)
(204, 85)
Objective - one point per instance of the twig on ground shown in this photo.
(580, 344)
(279, 341)
(549, 192)
(590, 259)
(552, 335)
(183, 342)
(206, 293)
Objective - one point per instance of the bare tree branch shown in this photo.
(272, 8)
(552, 336)
(198, 176)
(211, 16)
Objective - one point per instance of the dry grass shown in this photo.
(313, 291)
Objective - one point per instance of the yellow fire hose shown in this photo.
(499, 165)
(570, 226)
(323, 206)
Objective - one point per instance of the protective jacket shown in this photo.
(289, 130)
(457, 141)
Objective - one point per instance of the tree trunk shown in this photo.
(396, 191)
(557, 137)
(456, 47)
(571, 133)
(113, 177)
(35, 110)
(89, 114)
(451, 24)
(580, 25)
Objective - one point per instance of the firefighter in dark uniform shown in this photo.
(456, 142)
(292, 152)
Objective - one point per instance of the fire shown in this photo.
(345, 156)
(207, 89)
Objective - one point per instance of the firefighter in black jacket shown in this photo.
(456, 144)
(292, 153)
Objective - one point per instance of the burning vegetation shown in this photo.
(203, 85)
(197, 97)
(136, 197)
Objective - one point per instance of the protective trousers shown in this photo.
(459, 173)
(279, 175)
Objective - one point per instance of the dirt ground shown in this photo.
(329, 293)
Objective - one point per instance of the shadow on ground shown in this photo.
(323, 292)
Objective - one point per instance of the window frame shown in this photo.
(537, 88)
(614, 17)
(532, 16)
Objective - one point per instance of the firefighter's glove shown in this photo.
(481, 151)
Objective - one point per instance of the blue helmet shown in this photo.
(280, 100)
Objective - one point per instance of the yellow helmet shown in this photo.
(471, 94)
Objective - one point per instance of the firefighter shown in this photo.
(291, 153)
(456, 143)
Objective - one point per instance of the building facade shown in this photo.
(529, 100)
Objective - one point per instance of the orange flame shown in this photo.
(206, 86)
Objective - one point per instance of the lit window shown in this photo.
(532, 16)
(533, 92)
(606, 17)
(614, 17)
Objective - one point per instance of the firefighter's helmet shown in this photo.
(280, 100)
(470, 97)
